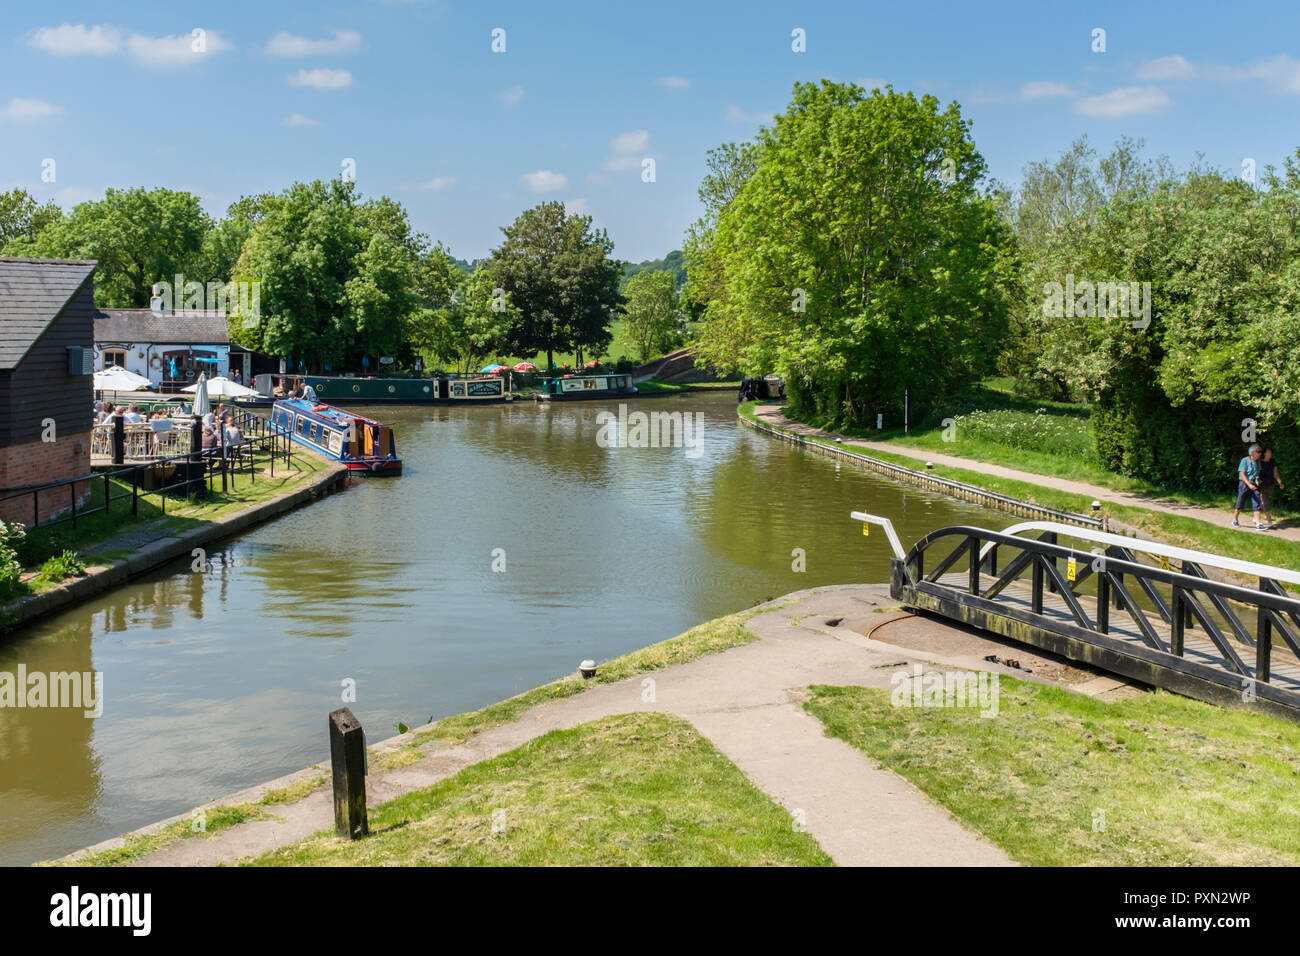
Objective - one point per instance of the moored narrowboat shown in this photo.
(363, 444)
(571, 387)
(479, 390)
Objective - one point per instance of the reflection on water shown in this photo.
(216, 681)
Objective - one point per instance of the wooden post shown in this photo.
(119, 439)
(199, 467)
(348, 758)
(1263, 645)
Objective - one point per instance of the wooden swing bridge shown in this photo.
(1162, 615)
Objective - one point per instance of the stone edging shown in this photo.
(155, 553)
(959, 489)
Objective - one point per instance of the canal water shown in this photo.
(218, 680)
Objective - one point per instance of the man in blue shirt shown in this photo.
(1248, 486)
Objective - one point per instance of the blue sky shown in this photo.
(467, 138)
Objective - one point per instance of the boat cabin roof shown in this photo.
(329, 413)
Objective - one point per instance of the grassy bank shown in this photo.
(1060, 779)
(708, 638)
(627, 790)
(1173, 529)
(990, 423)
(105, 537)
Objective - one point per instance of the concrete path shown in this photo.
(771, 415)
(748, 702)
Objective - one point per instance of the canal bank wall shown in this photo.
(922, 479)
(100, 578)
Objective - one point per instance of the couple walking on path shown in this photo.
(1257, 474)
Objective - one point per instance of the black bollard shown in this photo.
(119, 439)
(348, 759)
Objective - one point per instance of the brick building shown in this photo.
(47, 313)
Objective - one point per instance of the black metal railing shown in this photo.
(1163, 603)
(197, 471)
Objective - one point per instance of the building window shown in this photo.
(114, 357)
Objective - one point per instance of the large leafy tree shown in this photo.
(139, 236)
(465, 331)
(859, 257)
(22, 218)
(339, 277)
(652, 319)
(557, 271)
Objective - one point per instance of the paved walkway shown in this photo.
(748, 702)
(771, 415)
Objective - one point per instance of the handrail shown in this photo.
(885, 523)
(1157, 548)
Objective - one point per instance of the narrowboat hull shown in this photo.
(363, 445)
(580, 387)
(409, 391)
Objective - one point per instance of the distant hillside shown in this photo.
(670, 263)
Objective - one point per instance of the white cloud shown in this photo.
(577, 207)
(1165, 68)
(871, 82)
(322, 78)
(26, 111)
(174, 51)
(634, 141)
(544, 181)
(68, 40)
(438, 182)
(1129, 101)
(1043, 89)
(512, 97)
(627, 150)
(673, 83)
(297, 119)
(291, 44)
(1281, 74)
(736, 115)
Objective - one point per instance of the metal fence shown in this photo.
(188, 472)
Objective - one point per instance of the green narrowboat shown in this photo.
(483, 390)
(572, 387)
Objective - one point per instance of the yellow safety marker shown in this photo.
(1164, 563)
(866, 530)
(1071, 567)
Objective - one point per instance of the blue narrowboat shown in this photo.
(361, 443)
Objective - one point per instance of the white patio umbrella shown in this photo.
(117, 379)
(200, 389)
(222, 387)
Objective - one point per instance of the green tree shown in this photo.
(859, 258)
(476, 325)
(22, 218)
(652, 319)
(558, 272)
(139, 237)
(339, 277)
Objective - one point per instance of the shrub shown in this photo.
(11, 538)
(65, 565)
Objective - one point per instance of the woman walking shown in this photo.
(1268, 477)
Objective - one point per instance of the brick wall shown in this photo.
(38, 462)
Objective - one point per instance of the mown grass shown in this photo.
(993, 424)
(215, 819)
(708, 638)
(628, 790)
(1060, 779)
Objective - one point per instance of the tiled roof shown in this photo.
(142, 326)
(32, 293)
